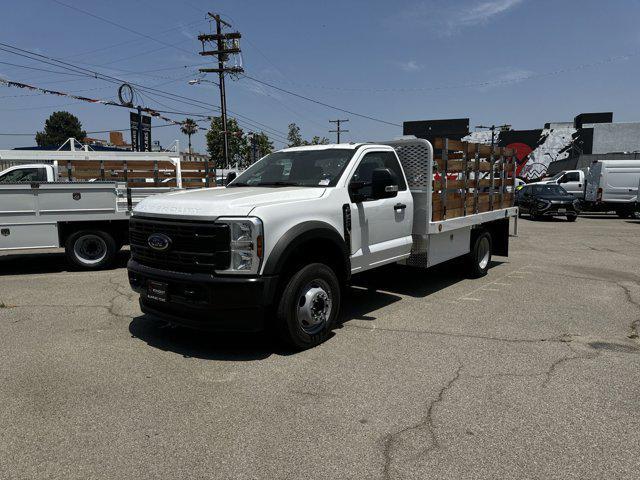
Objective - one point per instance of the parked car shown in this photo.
(547, 200)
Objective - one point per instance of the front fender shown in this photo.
(298, 235)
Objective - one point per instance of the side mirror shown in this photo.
(384, 184)
(231, 176)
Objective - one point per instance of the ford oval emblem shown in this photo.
(159, 242)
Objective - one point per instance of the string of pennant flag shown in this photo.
(46, 91)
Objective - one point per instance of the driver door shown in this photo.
(380, 228)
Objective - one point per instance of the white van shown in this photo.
(613, 185)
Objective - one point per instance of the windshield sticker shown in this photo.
(324, 182)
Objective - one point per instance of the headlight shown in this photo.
(246, 248)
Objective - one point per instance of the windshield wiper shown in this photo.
(277, 184)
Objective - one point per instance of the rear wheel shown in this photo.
(479, 257)
(308, 307)
(91, 249)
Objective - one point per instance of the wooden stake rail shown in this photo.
(141, 173)
(471, 178)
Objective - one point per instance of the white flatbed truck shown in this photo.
(81, 200)
(277, 246)
(89, 219)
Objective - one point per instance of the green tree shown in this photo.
(294, 137)
(189, 127)
(264, 145)
(58, 128)
(316, 140)
(215, 141)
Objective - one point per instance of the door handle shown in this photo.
(399, 206)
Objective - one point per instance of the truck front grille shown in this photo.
(194, 246)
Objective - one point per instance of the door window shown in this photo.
(24, 175)
(571, 177)
(372, 161)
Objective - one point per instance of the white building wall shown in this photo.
(615, 137)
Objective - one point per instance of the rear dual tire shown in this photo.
(479, 258)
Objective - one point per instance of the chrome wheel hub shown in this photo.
(314, 307)
(90, 249)
(484, 253)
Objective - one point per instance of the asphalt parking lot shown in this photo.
(530, 372)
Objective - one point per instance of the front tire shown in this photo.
(479, 257)
(91, 249)
(572, 218)
(308, 307)
(624, 213)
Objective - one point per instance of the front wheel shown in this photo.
(91, 249)
(309, 306)
(479, 257)
(624, 213)
(572, 218)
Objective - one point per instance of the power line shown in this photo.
(109, 78)
(488, 83)
(88, 133)
(321, 103)
(39, 69)
(122, 27)
(119, 44)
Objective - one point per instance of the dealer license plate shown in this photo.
(562, 210)
(157, 291)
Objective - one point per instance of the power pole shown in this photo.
(493, 131)
(222, 52)
(338, 130)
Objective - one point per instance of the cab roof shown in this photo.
(330, 146)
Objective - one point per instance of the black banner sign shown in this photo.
(134, 119)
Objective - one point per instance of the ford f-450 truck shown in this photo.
(277, 246)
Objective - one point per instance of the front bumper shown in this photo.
(204, 301)
(558, 210)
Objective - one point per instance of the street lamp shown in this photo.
(198, 81)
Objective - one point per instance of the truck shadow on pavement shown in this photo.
(47, 262)
(369, 292)
(225, 346)
(376, 289)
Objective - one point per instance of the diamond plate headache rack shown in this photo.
(416, 157)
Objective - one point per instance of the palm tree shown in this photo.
(189, 127)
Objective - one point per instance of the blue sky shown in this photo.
(523, 62)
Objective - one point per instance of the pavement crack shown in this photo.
(562, 360)
(634, 327)
(426, 423)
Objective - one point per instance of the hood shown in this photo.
(222, 201)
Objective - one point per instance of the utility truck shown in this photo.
(573, 181)
(280, 243)
(81, 200)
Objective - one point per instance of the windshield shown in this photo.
(308, 168)
(556, 176)
(548, 190)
